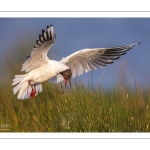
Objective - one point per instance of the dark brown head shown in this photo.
(67, 74)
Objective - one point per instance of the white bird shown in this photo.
(40, 68)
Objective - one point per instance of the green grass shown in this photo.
(80, 109)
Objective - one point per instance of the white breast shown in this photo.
(46, 72)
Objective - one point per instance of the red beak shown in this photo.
(66, 82)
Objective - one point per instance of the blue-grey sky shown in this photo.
(74, 34)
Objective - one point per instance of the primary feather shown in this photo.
(39, 53)
(86, 60)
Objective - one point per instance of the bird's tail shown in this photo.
(24, 88)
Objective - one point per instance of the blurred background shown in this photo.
(18, 36)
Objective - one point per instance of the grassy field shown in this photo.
(80, 109)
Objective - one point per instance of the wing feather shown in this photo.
(38, 55)
(88, 59)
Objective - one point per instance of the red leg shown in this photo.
(33, 92)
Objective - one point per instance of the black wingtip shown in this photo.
(137, 43)
(40, 36)
(50, 36)
(111, 62)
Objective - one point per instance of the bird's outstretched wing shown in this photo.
(88, 59)
(39, 53)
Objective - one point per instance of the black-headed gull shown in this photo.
(40, 68)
